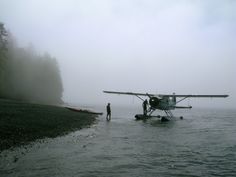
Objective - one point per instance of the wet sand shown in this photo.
(22, 123)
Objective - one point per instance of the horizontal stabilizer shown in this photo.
(183, 107)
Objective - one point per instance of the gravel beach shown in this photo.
(21, 123)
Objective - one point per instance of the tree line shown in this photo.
(26, 75)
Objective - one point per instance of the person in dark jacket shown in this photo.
(145, 103)
(108, 112)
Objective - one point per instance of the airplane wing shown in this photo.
(166, 95)
(196, 96)
(129, 93)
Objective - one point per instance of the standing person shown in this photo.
(145, 107)
(108, 112)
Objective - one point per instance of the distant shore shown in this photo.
(21, 123)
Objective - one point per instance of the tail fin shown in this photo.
(174, 98)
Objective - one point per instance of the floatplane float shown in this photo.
(163, 102)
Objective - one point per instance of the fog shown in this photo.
(165, 46)
(26, 75)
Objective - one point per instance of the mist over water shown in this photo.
(160, 47)
(202, 144)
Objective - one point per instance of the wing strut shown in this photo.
(182, 99)
(139, 97)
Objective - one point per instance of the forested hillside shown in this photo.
(26, 75)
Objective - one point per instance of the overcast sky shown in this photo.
(165, 46)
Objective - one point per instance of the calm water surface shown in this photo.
(202, 144)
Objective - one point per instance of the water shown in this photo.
(202, 144)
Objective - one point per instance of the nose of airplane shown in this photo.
(154, 101)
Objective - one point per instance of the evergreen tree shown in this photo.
(28, 76)
(3, 51)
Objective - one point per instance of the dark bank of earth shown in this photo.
(21, 123)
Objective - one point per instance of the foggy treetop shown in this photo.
(27, 76)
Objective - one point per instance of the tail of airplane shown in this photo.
(174, 98)
(183, 107)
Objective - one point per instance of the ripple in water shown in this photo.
(202, 144)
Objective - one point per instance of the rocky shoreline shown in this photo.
(22, 123)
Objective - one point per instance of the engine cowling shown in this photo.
(154, 102)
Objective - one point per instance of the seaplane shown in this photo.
(163, 102)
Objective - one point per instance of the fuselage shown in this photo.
(164, 103)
